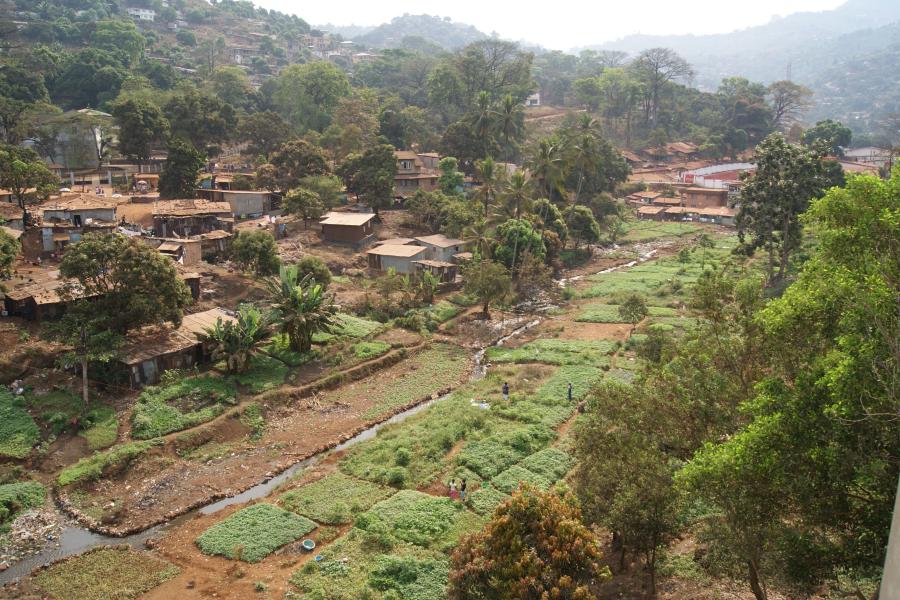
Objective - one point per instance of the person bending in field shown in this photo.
(505, 390)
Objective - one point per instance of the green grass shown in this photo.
(609, 313)
(105, 574)
(369, 350)
(417, 518)
(555, 352)
(211, 450)
(410, 577)
(489, 457)
(18, 431)
(253, 533)
(104, 428)
(264, 373)
(334, 499)
(350, 326)
(19, 497)
(279, 348)
(508, 481)
(550, 463)
(94, 466)
(180, 405)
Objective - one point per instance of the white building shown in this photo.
(142, 14)
(533, 100)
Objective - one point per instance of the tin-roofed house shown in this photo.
(65, 221)
(149, 351)
(348, 228)
(401, 258)
(440, 247)
(184, 218)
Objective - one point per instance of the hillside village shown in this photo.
(287, 315)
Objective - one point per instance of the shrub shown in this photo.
(410, 577)
(101, 427)
(414, 517)
(254, 532)
(314, 265)
(485, 499)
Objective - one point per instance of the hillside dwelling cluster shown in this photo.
(415, 172)
(869, 155)
(185, 252)
(43, 296)
(142, 14)
(436, 254)
(357, 229)
(184, 218)
(242, 203)
(705, 205)
(64, 221)
(11, 214)
(151, 350)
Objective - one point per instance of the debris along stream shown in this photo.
(75, 539)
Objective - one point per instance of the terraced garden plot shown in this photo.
(550, 463)
(509, 480)
(370, 350)
(609, 313)
(555, 352)
(435, 368)
(350, 326)
(279, 348)
(253, 533)
(486, 499)
(355, 566)
(444, 311)
(334, 499)
(91, 468)
(18, 431)
(643, 231)
(420, 519)
(413, 453)
(180, 405)
(105, 574)
(56, 409)
(490, 456)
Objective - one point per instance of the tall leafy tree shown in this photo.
(786, 179)
(23, 173)
(295, 160)
(180, 171)
(264, 132)
(488, 281)
(307, 95)
(789, 100)
(256, 251)
(201, 118)
(370, 176)
(832, 136)
(655, 68)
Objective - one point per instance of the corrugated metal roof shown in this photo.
(351, 219)
(440, 240)
(397, 251)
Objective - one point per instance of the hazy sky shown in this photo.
(562, 24)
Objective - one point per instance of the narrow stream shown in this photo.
(76, 539)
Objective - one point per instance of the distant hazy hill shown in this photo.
(348, 32)
(437, 30)
(764, 52)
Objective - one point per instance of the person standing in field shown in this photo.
(462, 491)
(453, 493)
(505, 390)
(570, 391)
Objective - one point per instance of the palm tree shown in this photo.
(236, 341)
(483, 119)
(491, 181)
(479, 235)
(547, 167)
(510, 123)
(517, 195)
(302, 307)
